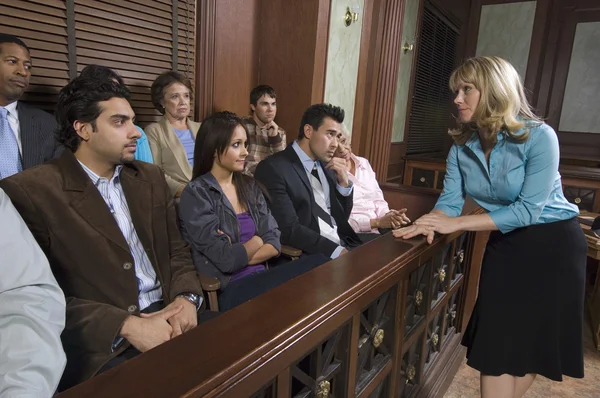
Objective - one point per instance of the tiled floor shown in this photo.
(466, 382)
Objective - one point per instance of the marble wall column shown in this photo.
(342, 58)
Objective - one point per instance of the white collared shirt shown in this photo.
(13, 121)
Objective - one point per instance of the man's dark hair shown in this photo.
(6, 38)
(79, 100)
(164, 80)
(315, 115)
(101, 73)
(259, 91)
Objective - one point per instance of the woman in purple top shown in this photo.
(225, 219)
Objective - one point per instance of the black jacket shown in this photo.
(203, 210)
(292, 202)
(37, 135)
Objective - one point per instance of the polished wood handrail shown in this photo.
(253, 342)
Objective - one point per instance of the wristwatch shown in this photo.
(192, 298)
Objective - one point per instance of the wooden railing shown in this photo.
(384, 320)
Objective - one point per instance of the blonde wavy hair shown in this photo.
(502, 104)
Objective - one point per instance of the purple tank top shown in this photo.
(247, 231)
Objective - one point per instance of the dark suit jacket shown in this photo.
(89, 255)
(292, 202)
(37, 135)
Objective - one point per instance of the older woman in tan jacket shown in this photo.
(172, 139)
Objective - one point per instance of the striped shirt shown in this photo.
(111, 190)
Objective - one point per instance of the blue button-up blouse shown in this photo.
(521, 186)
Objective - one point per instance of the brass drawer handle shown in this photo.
(577, 200)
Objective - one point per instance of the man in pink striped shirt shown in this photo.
(370, 212)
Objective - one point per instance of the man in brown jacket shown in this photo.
(108, 227)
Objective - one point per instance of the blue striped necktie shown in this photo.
(10, 158)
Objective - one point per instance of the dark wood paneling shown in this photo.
(236, 54)
(364, 76)
(380, 89)
(579, 146)
(417, 201)
(321, 47)
(477, 252)
(205, 58)
(537, 49)
(293, 43)
(395, 168)
(458, 9)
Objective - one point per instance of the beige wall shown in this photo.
(342, 58)
(581, 103)
(409, 29)
(505, 31)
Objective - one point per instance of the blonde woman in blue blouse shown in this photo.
(528, 319)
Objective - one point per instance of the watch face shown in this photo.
(191, 297)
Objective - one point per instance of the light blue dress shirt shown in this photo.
(32, 312)
(521, 187)
(308, 164)
(143, 151)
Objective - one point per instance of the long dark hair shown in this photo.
(213, 138)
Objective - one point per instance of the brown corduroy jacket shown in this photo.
(89, 256)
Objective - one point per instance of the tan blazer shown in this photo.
(89, 255)
(168, 152)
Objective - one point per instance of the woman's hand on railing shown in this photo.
(413, 230)
(439, 222)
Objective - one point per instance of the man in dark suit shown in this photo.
(26, 133)
(107, 225)
(310, 194)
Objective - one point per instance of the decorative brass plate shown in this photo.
(323, 389)
(378, 338)
(418, 297)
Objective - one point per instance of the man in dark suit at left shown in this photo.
(107, 224)
(26, 133)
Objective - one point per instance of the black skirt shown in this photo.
(528, 317)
